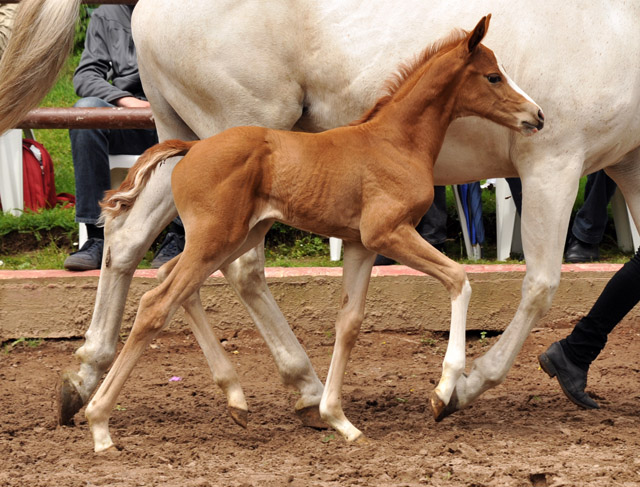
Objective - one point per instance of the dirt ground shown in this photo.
(177, 432)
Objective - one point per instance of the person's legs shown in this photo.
(433, 225)
(90, 152)
(619, 296)
(172, 244)
(515, 185)
(591, 220)
(570, 358)
(90, 149)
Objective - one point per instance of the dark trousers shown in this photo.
(619, 296)
(591, 220)
(90, 149)
(433, 225)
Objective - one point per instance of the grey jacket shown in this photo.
(108, 67)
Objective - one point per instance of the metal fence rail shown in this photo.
(88, 118)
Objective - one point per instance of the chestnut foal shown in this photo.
(368, 183)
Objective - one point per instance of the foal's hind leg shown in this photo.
(221, 368)
(246, 277)
(357, 272)
(156, 308)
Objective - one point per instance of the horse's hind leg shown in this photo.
(224, 375)
(626, 174)
(357, 271)
(246, 277)
(127, 238)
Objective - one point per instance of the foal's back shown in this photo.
(310, 181)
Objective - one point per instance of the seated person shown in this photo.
(108, 76)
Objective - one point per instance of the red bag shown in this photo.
(38, 179)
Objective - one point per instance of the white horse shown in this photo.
(209, 65)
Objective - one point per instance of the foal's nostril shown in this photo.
(541, 115)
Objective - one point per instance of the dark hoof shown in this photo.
(69, 401)
(310, 417)
(239, 416)
(439, 409)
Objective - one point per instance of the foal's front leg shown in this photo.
(357, 272)
(407, 247)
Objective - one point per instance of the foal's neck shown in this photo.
(420, 113)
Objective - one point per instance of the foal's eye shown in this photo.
(494, 78)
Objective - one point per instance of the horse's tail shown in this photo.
(121, 200)
(41, 41)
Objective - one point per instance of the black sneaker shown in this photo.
(171, 246)
(89, 257)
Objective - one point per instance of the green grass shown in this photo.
(38, 223)
(57, 141)
(49, 257)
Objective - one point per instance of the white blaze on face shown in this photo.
(520, 91)
(512, 83)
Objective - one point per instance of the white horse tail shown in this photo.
(41, 41)
(120, 200)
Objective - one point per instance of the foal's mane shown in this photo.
(407, 72)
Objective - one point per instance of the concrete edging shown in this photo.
(59, 304)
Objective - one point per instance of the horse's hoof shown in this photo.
(362, 440)
(69, 400)
(239, 416)
(310, 417)
(441, 410)
(112, 450)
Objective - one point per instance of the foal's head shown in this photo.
(487, 91)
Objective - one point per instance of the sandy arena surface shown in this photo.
(177, 432)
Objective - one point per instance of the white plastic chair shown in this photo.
(120, 161)
(508, 223)
(626, 231)
(11, 187)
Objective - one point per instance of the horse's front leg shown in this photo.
(246, 277)
(545, 217)
(127, 238)
(357, 272)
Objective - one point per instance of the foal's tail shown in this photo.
(39, 45)
(118, 201)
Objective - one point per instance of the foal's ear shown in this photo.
(478, 33)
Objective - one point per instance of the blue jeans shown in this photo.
(591, 220)
(90, 149)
